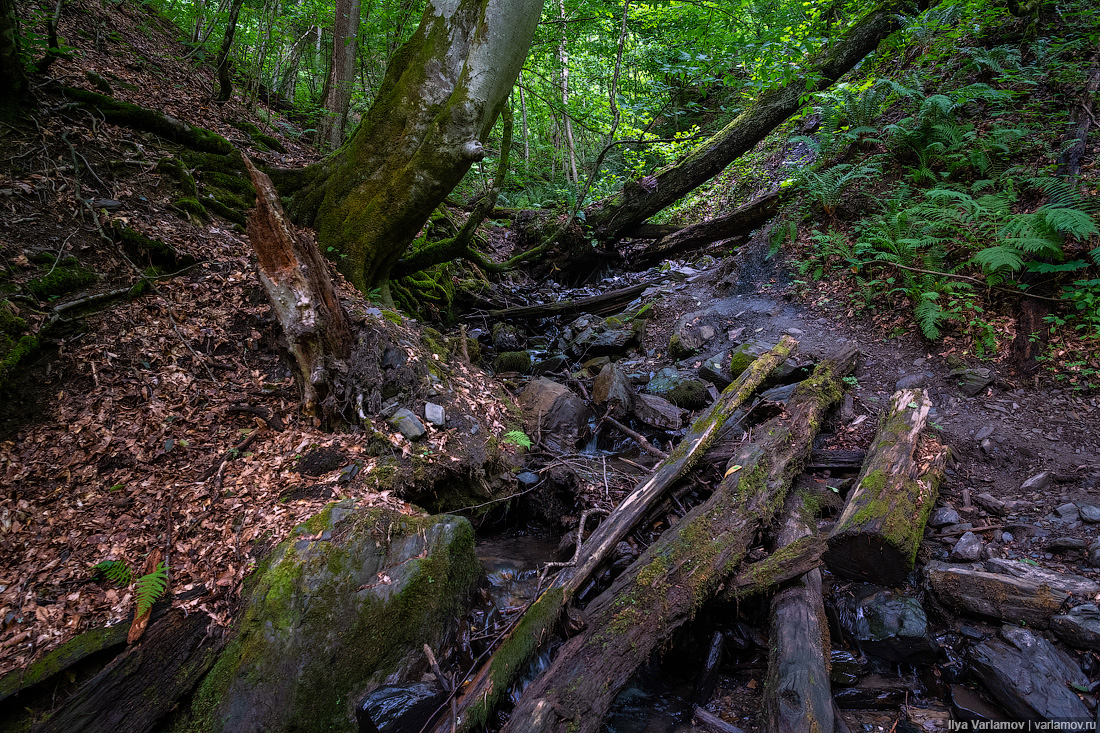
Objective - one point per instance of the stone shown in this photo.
(347, 602)
(612, 389)
(691, 333)
(1038, 482)
(554, 410)
(550, 364)
(408, 424)
(984, 433)
(393, 358)
(1094, 553)
(944, 516)
(913, 381)
(1089, 512)
(527, 478)
(1029, 677)
(395, 708)
(885, 624)
(1079, 627)
(1060, 544)
(967, 549)
(680, 390)
(713, 370)
(435, 414)
(507, 337)
(513, 361)
(592, 367)
(657, 412)
(991, 503)
(1068, 512)
(845, 668)
(972, 381)
(746, 354)
(969, 705)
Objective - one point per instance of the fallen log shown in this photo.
(741, 221)
(491, 682)
(682, 570)
(877, 536)
(711, 722)
(603, 303)
(835, 459)
(798, 697)
(792, 561)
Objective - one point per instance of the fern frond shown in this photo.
(1074, 222)
(999, 257)
(149, 588)
(928, 314)
(115, 571)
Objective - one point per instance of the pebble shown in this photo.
(984, 433)
(435, 414)
(1068, 512)
(1037, 482)
(967, 549)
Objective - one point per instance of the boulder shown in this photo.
(1032, 679)
(344, 604)
(680, 390)
(612, 390)
(513, 361)
(609, 337)
(553, 409)
(1080, 627)
(885, 624)
(657, 412)
(691, 333)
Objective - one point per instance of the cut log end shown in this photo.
(868, 557)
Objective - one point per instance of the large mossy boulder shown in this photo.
(342, 606)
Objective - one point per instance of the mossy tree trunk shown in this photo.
(13, 80)
(439, 99)
(611, 218)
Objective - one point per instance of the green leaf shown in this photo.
(149, 588)
(115, 571)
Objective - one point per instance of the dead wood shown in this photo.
(492, 681)
(876, 537)
(638, 437)
(682, 570)
(601, 304)
(836, 460)
(711, 722)
(796, 559)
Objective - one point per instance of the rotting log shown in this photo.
(490, 684)
(791, 562)
(836, 459)
(683, 569)
(608, 302)
(798, 697)
(739, 222)
(141, 685)
(877, 536)
(298, 285)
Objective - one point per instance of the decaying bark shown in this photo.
(639, 200)
(297, 283)
(798, 696)
(601, 304)
(877, 536)
(492, 681)
(1081, 120)
(680, 571)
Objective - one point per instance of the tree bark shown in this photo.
(798, 697)
(342, 76)
(679, 572)
(440, 97)
(225, 82)
(298, 285)
(1080, 117)
(492, 681)
(601, 304)
(877, 536)
(12, 76)
(639, 200)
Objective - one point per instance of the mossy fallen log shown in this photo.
(877, 536)
(482, 694)
(682, 570)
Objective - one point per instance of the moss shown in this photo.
(149, 249)
(690, 394)
(435, 342)
(9, 322)
(257, 136)
(179, 171)
(230, 164)
(62, 280)
(237, 184)
(513, 361)
(393, 317)
(190, 206)
(226, 212)
(63, 657)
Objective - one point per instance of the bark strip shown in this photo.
(682, 570)
(877, 536)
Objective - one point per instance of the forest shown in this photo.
(582, 365)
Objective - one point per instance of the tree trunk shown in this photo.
(567, 123)
(342, 76)
(639, 200)
(1080, 118)
(298, 285)
(225, 83)
(877, 536)
(798, 697)
(492, 681)
(523, 117)
(288, 83)
(12, 77)
(679, 572)
(440, 97)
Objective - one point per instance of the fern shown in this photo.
(929, 314)
(115, 571)
(999, 257)
(517, 437)
(149, 588)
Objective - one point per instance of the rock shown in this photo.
(967, 549)
(607, 338)
(507, 337)
(967, 705)
(1061, 544)
(913, 381)
(944, 516)
(927, 718)
(527, 478)
(713, 369)
(1065, 582)
(691, 333)
(984, 433)
(408, 424)
(550, 364)
(612, 388)
(657, 412)
(1068, 512)
(845, 668)
(1089, 512)
(345, 603)
(991, 503)
(1037, 482)
(1094, 553)
(398, 708)
(107, 204)
(1080, 627)
(877, 692)
(746, 354)
(435, 414)
(513, 361)
(681, 391)
(972, 381)
(393, 358)
(885, 624)
(558, 412)
(1027, 675)
(592, 367)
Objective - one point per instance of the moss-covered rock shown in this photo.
(63, 279)
(347, 602)
(513, 361)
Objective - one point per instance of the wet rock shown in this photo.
(877, 692)
(914, 381)
(885, 624)
(342, 584)
(967, 549)
(398, 708)
(561, 414)
(507, 337)
(1080, 627)
(592, 367)
(691, 333)
(925, 718)
(972, 381)
(513, 361)
(1037, 482)
(1089, 512)
(657, 412)
(969, 706)
(408, 424)
(609, 337)
(944, 516)
(435, 414)
(845, 668)
(612, 388)
(1031, 678)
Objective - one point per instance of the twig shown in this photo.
(968, 278)
(642, 442)
(576, 552)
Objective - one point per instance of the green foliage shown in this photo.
(115, 571)
(517, 438)
(149, 588)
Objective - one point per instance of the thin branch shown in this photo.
(968, 278)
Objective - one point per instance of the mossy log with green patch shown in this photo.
(344, 604)
(149, 250)
(798, 696)
(877, 536)
(491, 683)
(682, 570)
